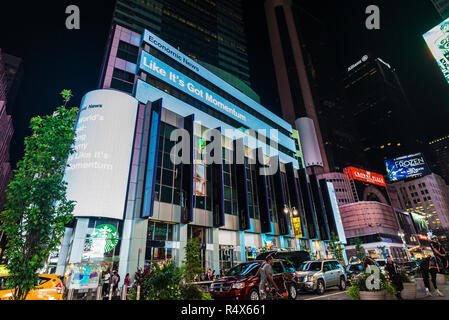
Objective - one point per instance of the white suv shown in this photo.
(319, 275)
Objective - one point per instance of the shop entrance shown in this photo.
(226, 257)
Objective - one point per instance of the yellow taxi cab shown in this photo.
(49, 287)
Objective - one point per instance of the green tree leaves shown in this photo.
(37, 210)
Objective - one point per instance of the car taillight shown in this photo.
(59, 288)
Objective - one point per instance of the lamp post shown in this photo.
(402, 235)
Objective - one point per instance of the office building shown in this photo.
(429, 196)
(442, 7)
(141, 204)
(374, 96)
(212, 33)
(439, 157)
(293, 66)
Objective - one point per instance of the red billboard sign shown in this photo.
(423, 237)
(365, 176)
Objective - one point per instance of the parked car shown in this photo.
(320, 275)
(242, 281)
(295, 257)
(352, 271)
(48, 287)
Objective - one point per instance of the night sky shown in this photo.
(56, 58)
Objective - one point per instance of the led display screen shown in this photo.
(406, 167)
(98, 171)
(437, 40)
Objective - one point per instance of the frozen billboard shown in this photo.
(437, 40)
(406, 167)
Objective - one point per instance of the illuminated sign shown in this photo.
(437, 40)
(423, 237)
(85, 277)
(406, 167)
(166, 73)
(97, 176)
(365, 176)
(107, 233)
(178, 56)
(364, 59)
(297, 227)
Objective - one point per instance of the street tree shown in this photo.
(336, 247)
(192, 260)
(37, 209)
(359, 250)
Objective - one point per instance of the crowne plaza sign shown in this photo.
(365, 176)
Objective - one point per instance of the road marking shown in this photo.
(328, 295)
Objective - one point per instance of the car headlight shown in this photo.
(310, 278)
(238, 285)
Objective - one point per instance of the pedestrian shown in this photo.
(209, 274)
(213, 275)
(266, 278)
(138, 277)
(115, 282)
(440, 255)
(106, 282)
(393, 274)
(127, 281)
(222, 273)
(430, 265)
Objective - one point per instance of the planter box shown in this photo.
(409, 292)
(390, 296)
(441, 279)
(376, 295)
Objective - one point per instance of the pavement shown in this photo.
(336, 294)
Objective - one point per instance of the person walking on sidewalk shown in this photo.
(440, 255)
(430, 265)
(393, 274)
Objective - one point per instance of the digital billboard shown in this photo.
(365, 176)
(97, 176)
(406, 167)
(437, 40)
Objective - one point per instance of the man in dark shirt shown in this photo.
(393, 274)
(440, 254)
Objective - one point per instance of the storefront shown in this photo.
(162, 242)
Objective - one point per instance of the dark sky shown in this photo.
(56, 58)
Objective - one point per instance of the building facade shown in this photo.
(295, 89)
(376, 100)
(210, 32)
(439, 157)
(428, 195)
(154, 205)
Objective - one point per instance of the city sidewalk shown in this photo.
(443, 288)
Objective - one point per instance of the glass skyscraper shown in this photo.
(209, 31)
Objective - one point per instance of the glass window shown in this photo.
(244, 269)
(327, 266)
(166, 194)
(289, 266)
(277, 267)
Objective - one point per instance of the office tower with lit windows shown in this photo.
(211, 32)
(384, 119)
(439, 157)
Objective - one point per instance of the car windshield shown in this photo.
(356, 267)
(244, 269)
(310, 266)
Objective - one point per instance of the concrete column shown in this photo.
(82, 225)
(216, 251)
(137, 247)
(242, 247)
(125, 248)
(183, 228)
(60, 268)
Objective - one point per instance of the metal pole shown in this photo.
(70, 294)
(99, 293)
(124, 291)
(138, 293)
(110, 291)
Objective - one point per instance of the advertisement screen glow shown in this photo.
(437, 40)
(406, 167)
(365, 176)
(98, 171)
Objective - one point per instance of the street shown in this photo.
(336, 294)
